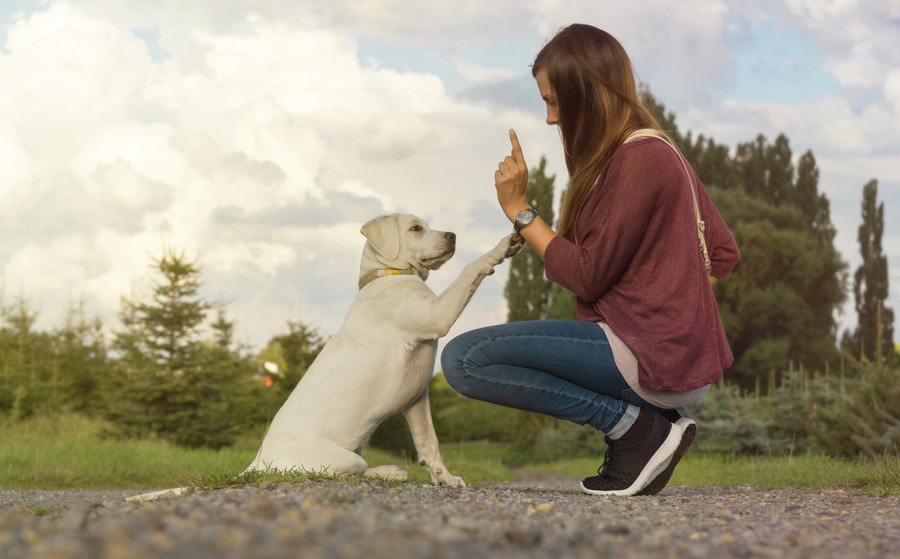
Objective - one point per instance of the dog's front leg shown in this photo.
(418, 416)
(436, 316)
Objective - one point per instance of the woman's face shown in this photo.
(548, 94)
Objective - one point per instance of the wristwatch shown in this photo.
(524, 218)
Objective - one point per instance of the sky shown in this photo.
(258, 136)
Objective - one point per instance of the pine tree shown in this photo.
(80, 361)
(171, 383)
(779, 186)
(665, 119)
(750, 162)
(294, 352)
(870, 284)
(22, 367)
(815, 206)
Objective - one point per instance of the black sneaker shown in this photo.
(634, 460)
(659, 482)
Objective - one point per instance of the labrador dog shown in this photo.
(381, 359)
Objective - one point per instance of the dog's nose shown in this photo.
(450, 236)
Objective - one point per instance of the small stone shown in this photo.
(523, 537)
(617, 529)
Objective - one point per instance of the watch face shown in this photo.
(525, 216)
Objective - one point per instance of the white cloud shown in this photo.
(819, 10)
(665, 40)
(265, 139)
(260, 148)
(858, 38)
(892, 89)
(480, 74)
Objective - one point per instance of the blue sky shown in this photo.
(260, 135)
(781, 68)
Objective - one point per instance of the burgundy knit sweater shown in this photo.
(637, 266)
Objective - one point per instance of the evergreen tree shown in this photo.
(293, 352)
(711, 161)
(779, 186)
(815, 206)
(751, 167)
(666, 119)
(870, 284)
(171, 383)
(79, 362)
(23, 371)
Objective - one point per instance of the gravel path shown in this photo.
(536, 519)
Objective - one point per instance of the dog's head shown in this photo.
(403, 242)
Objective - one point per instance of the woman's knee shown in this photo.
(452, 362)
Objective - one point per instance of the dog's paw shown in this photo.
(444, 478)
(506, 248)
(515, 244)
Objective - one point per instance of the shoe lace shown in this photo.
(609, 457)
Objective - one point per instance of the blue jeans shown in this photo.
(562, 368)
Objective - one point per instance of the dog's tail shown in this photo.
(155, 495)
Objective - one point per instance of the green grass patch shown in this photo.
(71, 452)
(811, 471)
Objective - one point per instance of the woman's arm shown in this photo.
(511, 183)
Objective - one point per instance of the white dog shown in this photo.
(380, 361)
(382, 358)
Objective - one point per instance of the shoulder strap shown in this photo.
(701, 225)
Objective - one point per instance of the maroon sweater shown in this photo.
(637, 266)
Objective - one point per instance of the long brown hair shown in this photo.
(599, 106)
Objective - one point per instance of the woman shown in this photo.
(648, 337)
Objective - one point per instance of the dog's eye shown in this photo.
(416, 228)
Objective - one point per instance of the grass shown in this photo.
(808, 471)
(70, 452)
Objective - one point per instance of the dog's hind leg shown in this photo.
(389, 472)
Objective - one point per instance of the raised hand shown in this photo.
(511, 179)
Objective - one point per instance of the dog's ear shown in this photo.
(383, 234)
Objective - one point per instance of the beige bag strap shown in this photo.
(701, 225)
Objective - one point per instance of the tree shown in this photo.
(169, 382)
(711, 161)
(79, 362)
(778, 305)
(779, 186)
(665, 119)
(23, 369)
(529, 295)
(750, 164)
(870, 284)
(293, 352)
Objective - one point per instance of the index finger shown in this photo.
(516, 147)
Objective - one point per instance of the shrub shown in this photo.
(865, 417)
